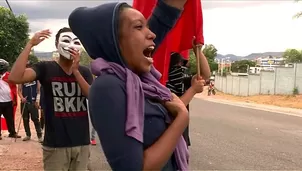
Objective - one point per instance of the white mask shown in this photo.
(67, 41)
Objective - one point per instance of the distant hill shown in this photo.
(250, 56)
(48, 55)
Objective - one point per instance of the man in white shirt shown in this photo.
(6, 102)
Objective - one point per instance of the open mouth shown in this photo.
(148, 52)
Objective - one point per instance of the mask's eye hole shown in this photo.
(66, 41)
(77, 43)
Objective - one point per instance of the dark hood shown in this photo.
(97, 29)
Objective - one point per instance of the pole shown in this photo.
(10, 8)
(21, 118)
(198, 51)
(222, 66)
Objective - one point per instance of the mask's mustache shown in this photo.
(69, 49)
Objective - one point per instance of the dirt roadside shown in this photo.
(20, 155)
(275, 100)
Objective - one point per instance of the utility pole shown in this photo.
(10, 8)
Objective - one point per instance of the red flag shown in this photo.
(180, 37)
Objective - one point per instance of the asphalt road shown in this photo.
(228, 137)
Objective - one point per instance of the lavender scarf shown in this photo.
(137, 88)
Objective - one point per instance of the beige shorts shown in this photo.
(66, 159)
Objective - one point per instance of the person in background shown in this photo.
(65, 84)
(92, 133)
(29, 105)
(41, 106)
(8, 99)
(183, 84)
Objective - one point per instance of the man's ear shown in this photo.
(56, 44)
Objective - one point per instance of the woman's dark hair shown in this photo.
(175, 58)
(62, 30)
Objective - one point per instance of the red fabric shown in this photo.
(180, 37)
(3, 124)
(13, 93)
(13, 88)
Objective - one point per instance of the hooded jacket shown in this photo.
(97, 29)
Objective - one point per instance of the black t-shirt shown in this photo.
(65, 107)
(41, 97)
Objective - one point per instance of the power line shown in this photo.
(10, 8)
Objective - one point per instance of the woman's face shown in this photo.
(136, 40)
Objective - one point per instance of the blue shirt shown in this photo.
(107, 105)
(29, 91)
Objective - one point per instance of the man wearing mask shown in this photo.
(7, 99)
(29, 105)
(65, 83)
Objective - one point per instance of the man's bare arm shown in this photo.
(82, 83)
(19, 73)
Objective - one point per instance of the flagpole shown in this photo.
(10, 8)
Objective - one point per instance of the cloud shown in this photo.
(253, 29)
(233, 26)
(55, 9)
(44, 9)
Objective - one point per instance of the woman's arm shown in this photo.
(176, 3)
(205, 71)
(108, 106)
(163, 18)
(188, 96)
(196, 86)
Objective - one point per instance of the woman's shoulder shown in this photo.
(108, 81)
(108, 85)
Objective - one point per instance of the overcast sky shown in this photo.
(238, 27)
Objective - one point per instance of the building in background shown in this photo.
(224, 65)
(269, 63)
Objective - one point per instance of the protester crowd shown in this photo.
(141, 124)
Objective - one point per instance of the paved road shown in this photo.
(227, 137)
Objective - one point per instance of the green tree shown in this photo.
(85, 58)
(192, 63)
(13, 34)
(213, 66)
(292, 56)
(210, 53)
(242, 66)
